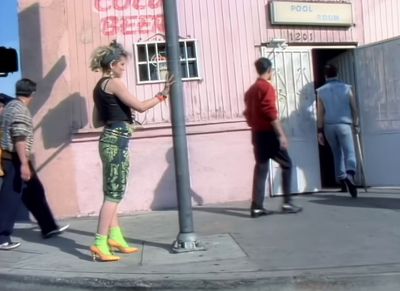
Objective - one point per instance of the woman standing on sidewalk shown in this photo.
(113, 104)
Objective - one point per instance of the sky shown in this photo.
(9, 38)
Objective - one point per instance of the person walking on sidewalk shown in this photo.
(20, 181)
(113, 103)
(337, 114)
(268, 138)
(4, 99)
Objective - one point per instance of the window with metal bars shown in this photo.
(151, 61)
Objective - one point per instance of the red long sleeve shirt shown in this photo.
(261, 106)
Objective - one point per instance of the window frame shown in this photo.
(149, 62)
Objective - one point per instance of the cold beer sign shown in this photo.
(130, 17)
(311, 13)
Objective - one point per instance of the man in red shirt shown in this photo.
(268, 139)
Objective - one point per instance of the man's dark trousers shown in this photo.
(266, 146)
(32, 194)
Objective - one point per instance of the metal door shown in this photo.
(374, 72)
(293, 79)
(377, 74)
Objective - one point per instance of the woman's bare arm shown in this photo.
(118, 88)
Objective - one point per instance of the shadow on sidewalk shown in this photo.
(70, 246)
(65, 245)
(362, 202)
(233, 211)
(138, 242)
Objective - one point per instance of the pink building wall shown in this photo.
(380, 20)
(57, 38)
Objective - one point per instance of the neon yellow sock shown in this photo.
(101, 243)
(116, 235)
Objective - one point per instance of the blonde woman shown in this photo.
(113, 104)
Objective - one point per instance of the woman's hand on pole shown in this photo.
(167, 87)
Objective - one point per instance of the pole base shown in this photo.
(187, 242)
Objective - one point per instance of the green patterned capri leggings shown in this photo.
(114, 154)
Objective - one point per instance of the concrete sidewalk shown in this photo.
(336, 242)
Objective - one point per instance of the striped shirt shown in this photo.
(16, 121)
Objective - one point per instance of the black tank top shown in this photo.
(109, 106)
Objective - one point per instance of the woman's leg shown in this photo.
(115, 158)
(116, 238)
(118, 168)
(100, 248)
(107, 217)
(115, 220)
(110, 154)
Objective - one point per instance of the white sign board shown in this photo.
(311, 13)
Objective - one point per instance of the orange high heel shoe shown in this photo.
(98, 254)
(114, 245)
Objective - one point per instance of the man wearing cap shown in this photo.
(20, 180)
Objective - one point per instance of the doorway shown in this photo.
(320, 58)
(293, 80)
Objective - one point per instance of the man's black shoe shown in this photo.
(343, 186)
(351, 186)
(290, 208)
(55, 232)
(256, 212)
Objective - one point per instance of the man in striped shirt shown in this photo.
(20, 180)
(4, 99)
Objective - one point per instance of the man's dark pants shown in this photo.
(266, 146)
(32, 194)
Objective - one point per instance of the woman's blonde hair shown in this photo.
(103, 56)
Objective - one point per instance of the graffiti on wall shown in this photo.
(130, 17)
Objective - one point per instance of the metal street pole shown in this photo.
(186, 240)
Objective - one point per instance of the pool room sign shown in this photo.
(311, 13)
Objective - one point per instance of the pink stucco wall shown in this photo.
(217, 162)
(57, 38)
